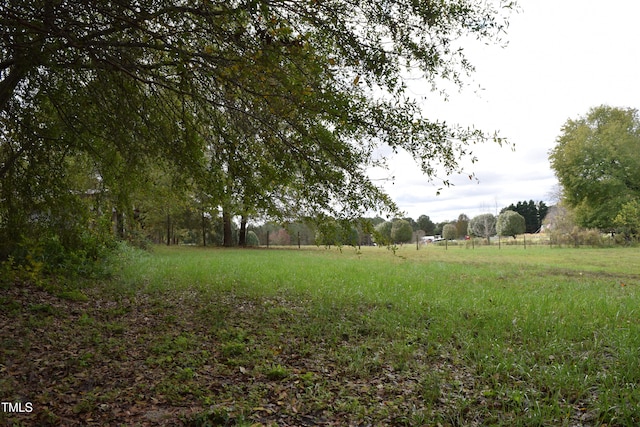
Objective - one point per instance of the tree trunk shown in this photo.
(117, 218)
(227, 236)
(204, 230)
(10, 82)
(168, 230)
(242, 237)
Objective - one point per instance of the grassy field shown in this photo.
(193, 336)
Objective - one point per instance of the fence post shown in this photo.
(267, 239)
(298, 240)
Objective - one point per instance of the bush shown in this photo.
(139, 239)
(252, 239)
(579, 237)
(49, 254)
(336, 233)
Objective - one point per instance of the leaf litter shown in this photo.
(159, 359)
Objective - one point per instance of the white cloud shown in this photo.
(563, 58)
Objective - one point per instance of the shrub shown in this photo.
(50, 254)
(252, 239)
(579, 237)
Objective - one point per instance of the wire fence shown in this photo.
(586, 240)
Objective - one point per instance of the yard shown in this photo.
(289, 337)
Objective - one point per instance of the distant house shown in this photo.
(430, 239)
(559, 219)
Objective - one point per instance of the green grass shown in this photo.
(482, 336)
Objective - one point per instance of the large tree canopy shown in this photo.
(510, 223)
(280, 105)
(483, 225)
(596, 161)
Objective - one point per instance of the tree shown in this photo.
(628, 218)
(483, 225)
(533, 214)
(303, 231)
(163, 199)
(425, 224)
(412, 222)
(282, 238)
(252, 239)
(543, 210)
(596, 161)
(131, 84)
(383, 233)
(449, 231)
(462, 225)
(560, 221)
(510, 223)
(401, 231)
(375, 221)
(438, 230)
(336, 233)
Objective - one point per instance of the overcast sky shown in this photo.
(563, 57)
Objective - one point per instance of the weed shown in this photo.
(308, 379)
(215, 417)
(74, 295)
(430, 386)
(172, 345)
(232, 349)
(86, 320)
(86, 404)
(45, 309)
(276, 372)
(115, 328)
(185, 374)
(86, 359)
(9, 306)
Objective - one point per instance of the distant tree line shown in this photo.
(193, 227)
(328, 232)
(521, 217)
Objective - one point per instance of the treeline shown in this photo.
(194, 227)
(191, 227)
(520, 218)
